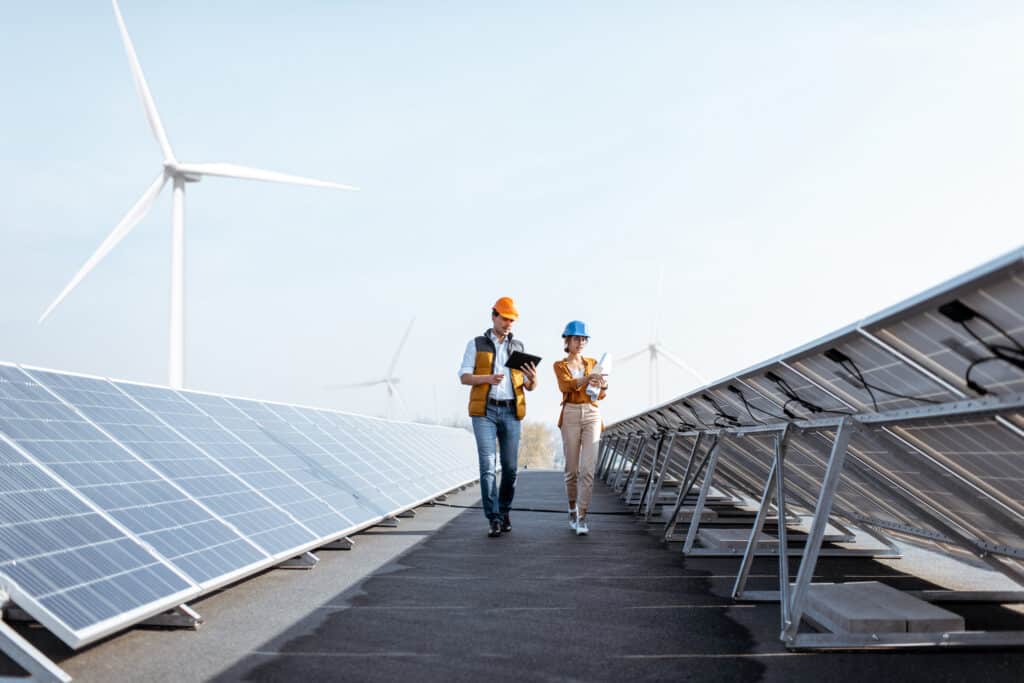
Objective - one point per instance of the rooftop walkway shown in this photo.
(437, 600)
(540, 603)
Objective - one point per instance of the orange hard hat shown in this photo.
(506, 308)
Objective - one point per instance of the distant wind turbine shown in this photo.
(656, 350)
(178, 173)
(389, 380)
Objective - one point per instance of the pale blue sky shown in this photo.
(793, 165)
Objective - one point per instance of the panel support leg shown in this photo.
(652, 501)
(389, 522)
(25, 655)
(181, 616)
(406, 514)
(684, 486)
(762, 514)
(817, 532)
(691, 532)
(303, 561)
(340, 544)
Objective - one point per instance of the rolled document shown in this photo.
(603, 367)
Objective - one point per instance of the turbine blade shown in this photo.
(631, 356)
(140, 86)
(401, 401)
(674, 359)
(246, 173)
(130, 220)
(355, 385)
(398, 351)
(657, 304)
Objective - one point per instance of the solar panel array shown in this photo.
(119, 500)
(925, 401)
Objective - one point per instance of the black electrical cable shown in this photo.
(971, 384)
(895, 394)
(961, 313)
(848, 364)
(793, 397)
(731, 420)
(545, 510)
(691, 409)
(748, 406)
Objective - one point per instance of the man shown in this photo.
(497, 405)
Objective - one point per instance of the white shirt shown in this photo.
(499, 392)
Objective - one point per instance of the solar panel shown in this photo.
(119, 500)
(235, 456)
(205, 480)
(909, 421)
(328, 477)
(120, 484)
(316, 428)
(374, 437)
(68, 563)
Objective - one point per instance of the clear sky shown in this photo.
(793, 166)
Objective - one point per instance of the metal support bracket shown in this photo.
(691, 532)
(389, 522)
(303, 561)
(38, 666)
(686, 485)
(340, 544)
(794, 606)
(181, 616)
(406, 514)
(781, 442)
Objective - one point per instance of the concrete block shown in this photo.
(735, 541)
(873, 607)
(686, 514)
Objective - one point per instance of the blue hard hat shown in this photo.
(576, 328)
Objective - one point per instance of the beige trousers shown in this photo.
(581, 433)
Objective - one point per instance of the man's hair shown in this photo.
(494, 312)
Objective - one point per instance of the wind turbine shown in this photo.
(389, 380)
(179, 173)
(656, 350)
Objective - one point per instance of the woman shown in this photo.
(580, 422)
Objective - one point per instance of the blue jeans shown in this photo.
(498, 426)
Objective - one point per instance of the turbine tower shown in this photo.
(178, 173)
(389, 380)
(656, 350)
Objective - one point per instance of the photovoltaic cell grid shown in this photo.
(388, 448)
(949, 348)
(885, 373)
(71, 562)
(117, 482)
(231, 453)
(329, 432)
(313, 430)
(969, 468)
(317, 475)
(224, 494)
(330, 474)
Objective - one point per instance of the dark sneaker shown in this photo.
(495, 529)
(506, 523)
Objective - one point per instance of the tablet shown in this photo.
(518, 359)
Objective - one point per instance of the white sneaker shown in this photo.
(572, 518)
(581, 526)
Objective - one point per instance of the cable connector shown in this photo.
(958, 311)
(836, 356)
